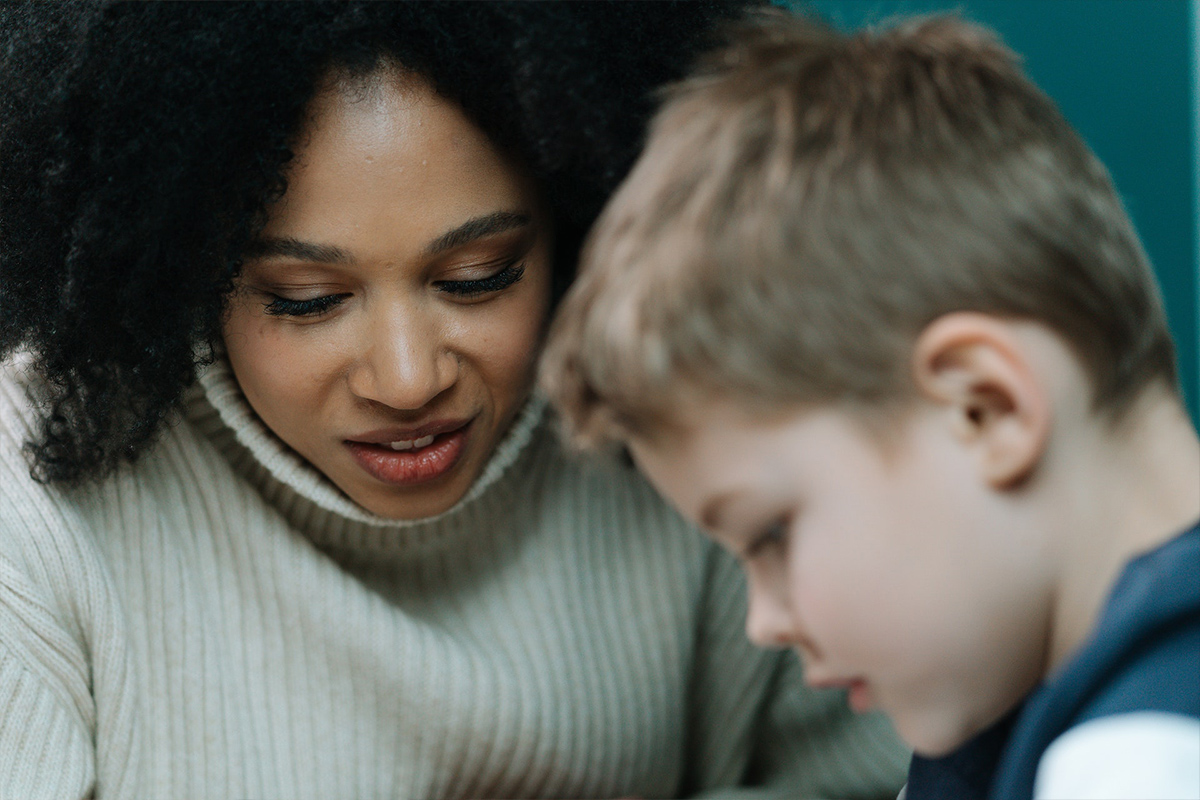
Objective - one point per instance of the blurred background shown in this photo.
(1126, 73)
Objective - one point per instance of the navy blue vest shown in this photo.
(1143, 655)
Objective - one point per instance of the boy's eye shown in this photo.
(503, 278)
(773, 536)
(283, 307)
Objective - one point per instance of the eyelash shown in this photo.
(506, 277)
(773, 535)
(282, 306)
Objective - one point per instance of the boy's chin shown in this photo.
(935, 735)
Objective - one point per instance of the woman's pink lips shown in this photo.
(410, 467)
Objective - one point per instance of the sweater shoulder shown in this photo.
(590, 480)
(19, 413)
(32, 514)
(53, 584)
(51, 572)
(605, 495)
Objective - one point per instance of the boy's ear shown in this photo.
(974, 366)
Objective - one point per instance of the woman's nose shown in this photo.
(405, 364)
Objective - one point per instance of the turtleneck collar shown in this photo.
(309, 500)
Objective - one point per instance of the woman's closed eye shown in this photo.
(506, 276)
(313, 307)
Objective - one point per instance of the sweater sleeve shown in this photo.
(46, 710)
(61, 636)
(45, 749)
(758, 732)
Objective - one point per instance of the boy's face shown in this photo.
(894, 570)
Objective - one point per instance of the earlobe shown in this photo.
(975, 368)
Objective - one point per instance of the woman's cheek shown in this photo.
(283, 369)
(507, 344)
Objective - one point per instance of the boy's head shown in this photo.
(808, 202)
(841, 312)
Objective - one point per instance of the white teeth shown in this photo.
(409, 444)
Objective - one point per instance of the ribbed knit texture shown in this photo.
(219, 621)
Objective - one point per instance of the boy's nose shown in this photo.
(769, 622)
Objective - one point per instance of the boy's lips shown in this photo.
(858, 693)
(411, 456)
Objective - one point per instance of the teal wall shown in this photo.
(1125, 73)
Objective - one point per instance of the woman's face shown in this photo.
(387, 323)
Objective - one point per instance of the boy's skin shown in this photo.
(941, 561)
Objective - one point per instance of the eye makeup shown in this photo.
(506, 276)
(505, 271)
(283, 307)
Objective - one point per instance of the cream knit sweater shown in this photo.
(220, 622)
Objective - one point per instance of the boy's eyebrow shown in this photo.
(711, 512)
(477, 228)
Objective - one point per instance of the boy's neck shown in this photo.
(1128, 490)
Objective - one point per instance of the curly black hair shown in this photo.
(141, 142)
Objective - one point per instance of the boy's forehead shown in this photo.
(710, 448)
(719, 453)
(696, 422)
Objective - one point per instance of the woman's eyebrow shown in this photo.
(477, 228)
(301, 251)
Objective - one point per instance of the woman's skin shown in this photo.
(398, 292)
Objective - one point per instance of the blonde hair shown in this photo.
(809, 201)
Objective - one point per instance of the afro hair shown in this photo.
(141, 142)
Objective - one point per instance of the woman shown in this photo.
(278, 517)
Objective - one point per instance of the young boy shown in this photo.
(869, 312)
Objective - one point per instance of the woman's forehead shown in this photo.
(396, 167)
